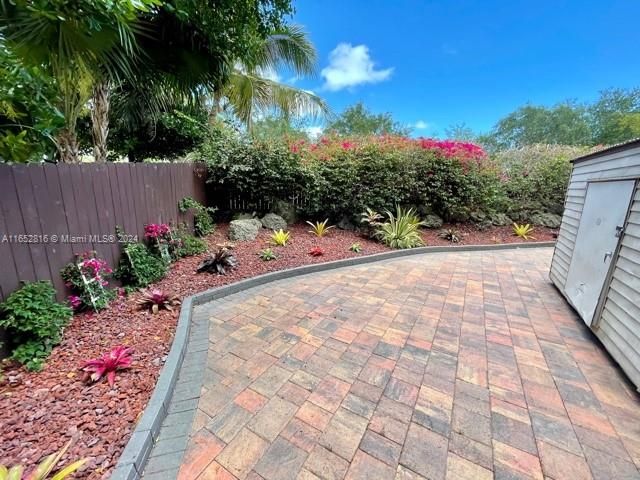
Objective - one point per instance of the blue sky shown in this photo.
(436, 63)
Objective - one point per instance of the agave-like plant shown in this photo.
(316, 252)
(267, 254)
(44, 468)
(218, 262)
(523, 231)
(356, 248)
(155, 300)
(280, 238)
(119, 358)
(320, 229)
(450, 234)
(401, 230)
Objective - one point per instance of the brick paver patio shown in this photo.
(465, 365)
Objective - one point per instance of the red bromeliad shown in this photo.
(108, 364)
(316, 252)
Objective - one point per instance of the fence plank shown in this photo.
(83, 200)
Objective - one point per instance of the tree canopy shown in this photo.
(357, 120)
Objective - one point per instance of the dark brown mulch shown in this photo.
(40, 412)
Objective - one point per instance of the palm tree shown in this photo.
(249, 92)
(77, 43)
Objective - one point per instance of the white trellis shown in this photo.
(90, 285)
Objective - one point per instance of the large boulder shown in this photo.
(273, 222)
(432, 221)
(500, 219)
(244, 230)
(550, 220)
(286, 210)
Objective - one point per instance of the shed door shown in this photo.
(603, 215)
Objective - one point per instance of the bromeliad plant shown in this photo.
(87, 278)
(450, 234)
(280, 238)
(218, 262)
(401, 230)
(156, 300)
(160, 238)
(356, 248)
(267, 254)
(320, 229)
(44, 468)
(119, 358)
(371, 220)
(523, 231)
(316, 252)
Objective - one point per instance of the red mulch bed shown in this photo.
(40, 412)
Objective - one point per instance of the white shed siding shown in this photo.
(618, 327)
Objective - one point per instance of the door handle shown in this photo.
(607, 255)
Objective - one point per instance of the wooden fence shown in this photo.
(50, 212)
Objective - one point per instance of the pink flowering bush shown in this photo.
(337, 176)
(157, 231)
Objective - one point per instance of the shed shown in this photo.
(596, 262)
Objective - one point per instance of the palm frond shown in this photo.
(250, 94)
(290, 48)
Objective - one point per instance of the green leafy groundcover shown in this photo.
(34, 322)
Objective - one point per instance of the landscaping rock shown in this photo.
(550, 220)
(244, 230)
(500, 219)
(346, 223)
(432, 221)
(286, 210)
(273, 222)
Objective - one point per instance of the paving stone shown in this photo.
(403, 473)
(556, 431)
(471, 450)
(273, 417)
(229, 422)
(605, 466)
(293, 393)
(513, 432)
(558, 463)
(425, 452)
(301, 434)
(513, 463)
(381, 448)
(203, 449)
(329, 393)
(366, 467)
(271, 381)
(359, 405)
(242, 453)
(325, 464)
(470, 424)
(459, 468)
(250, 400)
(282, 461)
(402, 392)
(305, 380)
(343, 434)
(314, 416)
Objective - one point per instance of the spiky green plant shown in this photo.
(523, 231)
(280, 238)
(267, 254)
(450, 234)
(401, 230)
(44, 468)
(356, 248)
(320, 229)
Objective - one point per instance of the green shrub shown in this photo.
(190, 245)
(535, 178)
(202, 219)
(139, 267)
(34, 322)
(341, 178)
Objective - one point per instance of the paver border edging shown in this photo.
(133, 460)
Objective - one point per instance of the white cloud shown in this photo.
(314, 132)
(421, 125)
(350, 66)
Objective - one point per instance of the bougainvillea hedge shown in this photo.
(337, 177)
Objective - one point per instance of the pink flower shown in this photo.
(75, 301)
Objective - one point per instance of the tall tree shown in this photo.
(73, 40)
(614, 116)
(358, 120)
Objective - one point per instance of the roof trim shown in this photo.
(612, 149)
